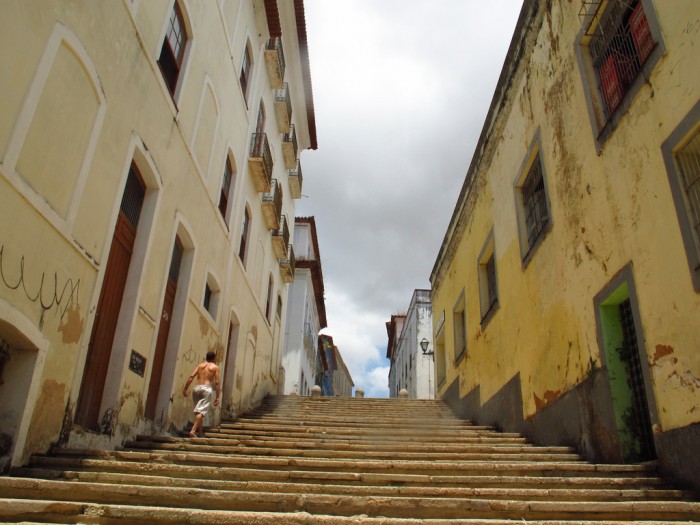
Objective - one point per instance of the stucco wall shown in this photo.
(611, 211)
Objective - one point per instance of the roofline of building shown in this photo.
(274, 27)
(316, 270)
(523, 28)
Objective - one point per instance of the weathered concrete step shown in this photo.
(303, 443)
(340, 505)
(532, 454)
(69, 512)
(365, 437)
(410, 419)
(424, 424)
(571, 493)
(369, 430)
(70, 458)
(44, 468)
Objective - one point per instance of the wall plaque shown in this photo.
(137, 363)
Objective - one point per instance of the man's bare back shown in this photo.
(207, 373)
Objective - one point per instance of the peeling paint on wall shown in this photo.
(72, 328)
(48, 415)
(548, 397)
(661, 351)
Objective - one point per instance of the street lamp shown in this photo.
(424, 346)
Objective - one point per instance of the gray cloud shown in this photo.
(401, 90)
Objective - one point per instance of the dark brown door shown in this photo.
(111, 295)
(163, 331)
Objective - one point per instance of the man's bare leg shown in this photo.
(196, 425)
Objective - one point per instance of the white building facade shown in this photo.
(306, 312)
(148, 170)
(412, 368)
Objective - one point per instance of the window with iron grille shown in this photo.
(534, 201)
(459, 318)
(488, 288)
(172, 52)
(688, 159)
(620, 44)
(245, 73)
(207, 297)
(242, 249)
(268, 303)
(226, 184)
(681, 153)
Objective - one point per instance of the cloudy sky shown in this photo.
(401, 90)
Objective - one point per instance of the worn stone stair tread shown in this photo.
(533, 455)
(399, 506)
(559, 494)
(76, 512)
(348, 478)
(366, 437)
(320, 445)
(339, 444)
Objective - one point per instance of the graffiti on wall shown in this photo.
(38, 288)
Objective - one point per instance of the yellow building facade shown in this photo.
(149, 163)
(566, 291)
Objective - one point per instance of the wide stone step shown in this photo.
(363, 423)
(569, 493)
(69, 458)
(474, 444)
(287, 433)
(46, 511)
(45, 467)
(368, 430)
(412, 419)
(341, 505)
(303, 443)
(486, 454)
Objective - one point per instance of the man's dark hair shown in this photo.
(211, 356)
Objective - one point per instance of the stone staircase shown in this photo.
(302, 461)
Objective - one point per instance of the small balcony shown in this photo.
(283, 108)
(274, 60)
(272, 206)
(290, 148)
(280, 239)
(287, 266)
(295, 180)
(260, 162)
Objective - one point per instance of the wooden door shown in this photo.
(109, 304)
(163, 331)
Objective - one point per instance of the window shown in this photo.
(172, 53)
(207, 296)
(279, 307)
(245, 233)
(488, 289)
(459, 318)
(245, 73)
(531, 202)
(268, 303)
(226, 185)
(211, 296)
(681, 153)
(622, 43)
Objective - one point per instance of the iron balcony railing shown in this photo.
(280, 239)
(273, 199)
(295, 180)
(260, 149)
(290, 147)
(288, 265)
(283, 105)
(275, 44)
